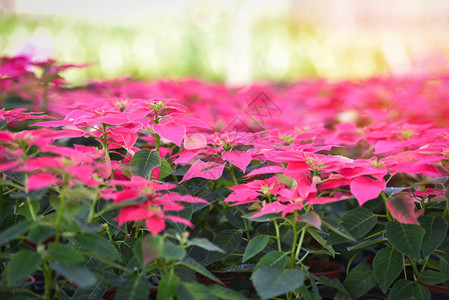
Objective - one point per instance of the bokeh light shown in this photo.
(234, 41)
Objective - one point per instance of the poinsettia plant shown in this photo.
(184, 190)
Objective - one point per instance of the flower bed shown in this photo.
(140, 186)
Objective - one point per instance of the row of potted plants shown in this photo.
(191, 190)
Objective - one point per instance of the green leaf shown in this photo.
(368, 243)
(25, 209)
(431, 277)
(402, 289)
(167, 286)
(126, 248)
(342, 296)
(93, 243)
(185, 274)
(255, 245)
(316, 235)
(436, 229)
(306, 294)
(237, 268)
(81, 276)
(165, 169)
(205, 244)
(225, 293)
(338, 229)
(444, 264)
(109, 217)
(276, 259)
(360, 280)
(95, 292)
(358, 222)
(14, 231)
(144, 161)
(387, 266)
(39, 233)
(407, 238)
(197, 267)
(66, 255)
(272, 282)
(193, 291)
(172, 251)
(422, 293)
(334, 283)
(134, 288)
(148, 248)
(23, 264)
(228, 240)
(186, 213)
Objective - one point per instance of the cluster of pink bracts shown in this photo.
(331, 140)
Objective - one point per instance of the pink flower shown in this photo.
(365, 188)
(207, 170)
(40, 180)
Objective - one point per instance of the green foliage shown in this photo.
(255, 245)
(360, 280)
(23, 264)
(436, 230)
(167, 286)
(228, 240)
(144, 161)
(357, 222)
(406, 238)
(273, 281)
(134, 288)
(387, 266)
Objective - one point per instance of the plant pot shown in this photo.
(328, 269)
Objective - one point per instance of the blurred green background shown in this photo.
(295, 42)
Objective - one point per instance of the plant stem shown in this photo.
(231, 170)
(386, 208)
(295, 238)
(446, 208)
(48, 280)
(278, 235)
(425, 264)
(158, 138)
(106, 149)
(31, 208)
(59, 215)
(415, 268)
(403, 265)
(92, 209)
(245, 223)
(301, 240)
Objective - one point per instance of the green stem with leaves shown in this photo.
(278, 235)
(59, 214)
(158, 138)
(295, 238)
(48, 279)
(384, 197)
(301, 240)
(92, 208)
(31, 208)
